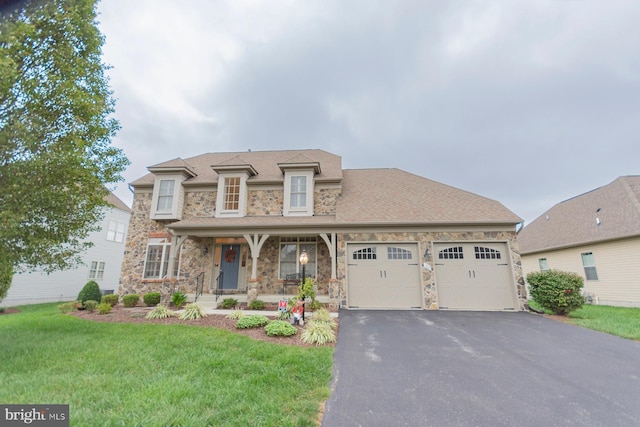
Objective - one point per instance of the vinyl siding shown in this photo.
(617, 263)
(37, 287)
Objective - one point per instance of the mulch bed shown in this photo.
(120, 314)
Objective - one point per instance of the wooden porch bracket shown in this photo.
(331, 244)
(255, 242)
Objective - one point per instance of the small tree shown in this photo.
(558, 291)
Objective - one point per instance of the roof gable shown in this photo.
(606, 213)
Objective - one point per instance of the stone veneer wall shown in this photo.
(426, 240)
(265, 202)
(324, 201)
(141, 228)
(268, 268)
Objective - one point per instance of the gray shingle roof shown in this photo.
(606, 213)
(396, 196)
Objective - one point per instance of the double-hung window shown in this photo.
(298, 195)
(165, 195)
(96, 271)
(157, 261)
(115, 232)
(589, 264)
(544, 265)
(232, 194)
(290, 250)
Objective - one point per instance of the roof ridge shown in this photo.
(630, 193)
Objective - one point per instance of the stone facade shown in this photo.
(198, 255)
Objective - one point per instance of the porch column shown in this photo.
(331, 244)
(255, 242)
(176, 243)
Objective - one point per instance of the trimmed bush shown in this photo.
(192, 311)
(90, 305)
(90, 291)
(68, 307)
(557, 291)
(280, 328)
(229, 303)
(151, 299)
(256, 304)
(130, 300)
(254, 321)
(160, 312)
(111, 299)
(104, 308)
(179, 299)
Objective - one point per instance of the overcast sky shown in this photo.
(527, 102)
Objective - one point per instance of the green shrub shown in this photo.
(285, 315)
(229, 303)
(104, 308)
(235, 315)
(558, 291)
(318, 333)
(90, 305)
(90, 291)
(280, 328)
(130, 300)
(111, 299)
(315, 305)
(192, 311)
(151, 299)
(254, 321)
(307, 290)
(160, 312)
(256, 304)
(68, 307)
(179, 299)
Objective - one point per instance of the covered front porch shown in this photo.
(265, 266)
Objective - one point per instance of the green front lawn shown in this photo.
(621, 321)
(157, 375)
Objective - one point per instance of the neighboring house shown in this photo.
(101, 263)
(375, 238)
(596, 235)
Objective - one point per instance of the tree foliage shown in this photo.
(56, 125)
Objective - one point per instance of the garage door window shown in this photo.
(451, 253)
(365, 253)
(398, 253)
(486, 253)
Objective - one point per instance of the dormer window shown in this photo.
(168, 193)
(299, 187)
(232, 188)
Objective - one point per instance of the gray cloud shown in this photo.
(525, 102)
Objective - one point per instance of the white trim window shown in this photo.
(115, 232)
(157, 260)
(298, 193)
(232, 194)
(165, 195)
(96, 271)
(543, 263)
(589, 264)
(290, 250)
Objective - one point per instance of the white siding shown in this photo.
(32, 288)
(617, 264)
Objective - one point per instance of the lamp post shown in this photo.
(304, 259)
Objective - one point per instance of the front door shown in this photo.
(229, 264)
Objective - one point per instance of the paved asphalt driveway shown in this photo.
(438, 368)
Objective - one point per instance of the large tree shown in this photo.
(56, 125)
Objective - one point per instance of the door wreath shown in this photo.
(230, 255)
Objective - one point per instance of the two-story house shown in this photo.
(374, 238)
(101, 263)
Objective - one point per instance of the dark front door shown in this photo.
(229, 265)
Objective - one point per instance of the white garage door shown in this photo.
(383, 275)
(474, 276)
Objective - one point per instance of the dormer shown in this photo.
(299, 179)
(232, 188)
(168, 194)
